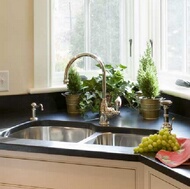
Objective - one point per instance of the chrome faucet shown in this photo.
(34, 107)
(105, 111)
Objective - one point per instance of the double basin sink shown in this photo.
(77, 132)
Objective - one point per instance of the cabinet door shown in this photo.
(29, 174)
(157, 183)
(155, 180)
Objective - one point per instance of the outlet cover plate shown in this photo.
(4, 81)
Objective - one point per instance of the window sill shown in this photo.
(48, 90)
(167, 85)
(177, 91)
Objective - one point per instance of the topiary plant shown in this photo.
(147, 75)
(74, 85)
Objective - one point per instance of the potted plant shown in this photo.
(116, 86)
(149, 86)
(74, 87)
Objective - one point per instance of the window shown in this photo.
(94, 26)
(115, 30)
(175, 38)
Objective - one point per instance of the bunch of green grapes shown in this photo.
(155, 142)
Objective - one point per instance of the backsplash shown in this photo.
(22, 103)
(180, 106)
(53, 102)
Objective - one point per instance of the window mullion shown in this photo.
(185, 38)
(131, 44)
(52, 46)
(123, 31)
(188, 44)
(136, 40)
(155, 29)
(140, 32)
(164, 41)
(87, 32)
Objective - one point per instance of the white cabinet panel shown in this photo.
(35, 174)
(155, 180)
(157, 183)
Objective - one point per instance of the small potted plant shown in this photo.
(116, 86)
(149, 86)
(74, 87)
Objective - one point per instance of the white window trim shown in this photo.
(42, 59)
(41, 44)
(42, 51)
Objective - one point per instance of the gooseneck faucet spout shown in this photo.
(95, 58)
(105, 111)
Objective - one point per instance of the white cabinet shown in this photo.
(28, 171)
(19, 170)
(156, 180)
(157, 183)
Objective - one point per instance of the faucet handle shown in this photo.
(41, 107)
(34, 107)
(166, 103)
(118, 103)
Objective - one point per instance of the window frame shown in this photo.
(41, 44)
(42, 50)
(167, 79)
(126, 25)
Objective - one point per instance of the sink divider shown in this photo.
(91, 137)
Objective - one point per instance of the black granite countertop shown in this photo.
(128, 118)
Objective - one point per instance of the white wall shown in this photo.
(16, 44)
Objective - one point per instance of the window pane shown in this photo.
(85, 26)
(176, 38)
(105, 30)
(67, 31)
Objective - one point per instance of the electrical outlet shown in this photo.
(4, 81)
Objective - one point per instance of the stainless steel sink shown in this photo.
(116, 139)
(53, 133)
(77, 132)
(50, 130)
